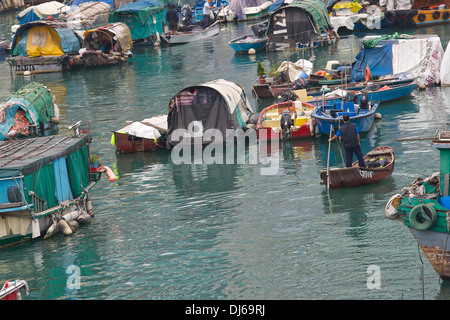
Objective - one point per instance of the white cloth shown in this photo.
(46, 9)
(141, 130)
(420, 57)
(294, 69)
(445, 67)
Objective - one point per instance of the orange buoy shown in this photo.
(367, 74)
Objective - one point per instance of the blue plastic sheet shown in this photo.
(379, 60)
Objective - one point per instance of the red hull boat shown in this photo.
(268, 125)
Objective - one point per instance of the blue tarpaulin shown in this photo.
(138, 5)
(276, 5)
(69, 41)
(28, 17)
(63, 191)
(378, 58)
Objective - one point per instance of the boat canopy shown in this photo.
(118, 30)
(418, 56)
(45, 38)
(35, 102)
(218, 104)
(145, 18)
(53, 168)
(88, 15)
(42, 11)
(299, 21)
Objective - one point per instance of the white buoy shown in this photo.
(377, 116)
(422, 86)
(251, 51)
(27, 73)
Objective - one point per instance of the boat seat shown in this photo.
(268, 123)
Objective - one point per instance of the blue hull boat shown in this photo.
(383, 95)
(331, 115)
(247, 42)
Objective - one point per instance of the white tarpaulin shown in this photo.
(445, 67)
(397, 4)
(294, 69)
(46, 9)
(420, 57)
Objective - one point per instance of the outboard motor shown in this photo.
(364, 103)
(258, 30)
(285, 125)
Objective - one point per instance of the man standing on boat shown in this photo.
(208, 15)
(350, 139)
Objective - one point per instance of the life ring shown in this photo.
(418, 221)
(390, 16)
(436, 14)
(421, 17)
(367, 74)
(320, 73)
(445, 15)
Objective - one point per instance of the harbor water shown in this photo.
(225, 231)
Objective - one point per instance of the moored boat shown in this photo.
(144, 18)
(141, 136)
(192, 34)
(423, 207)
(331, 116)
(380, 94)
(299, 123)
(44, 46)
(208, 112)
(110, 44)
(247, 42)
(244, 10)
(30, 111)
(379, 165)
(298, 24)
(46, 183)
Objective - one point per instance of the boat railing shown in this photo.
(442, 133)
(38, 203)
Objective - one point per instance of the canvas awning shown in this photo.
(144, 18)
(119, 30)
(45, 38)
(218, 104)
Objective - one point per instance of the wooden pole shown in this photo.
(328, 161)
(415, 138)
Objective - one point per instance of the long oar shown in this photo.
(328, 162)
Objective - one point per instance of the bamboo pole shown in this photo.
(415, 138)
(328, 162)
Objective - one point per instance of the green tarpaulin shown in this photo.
(317, 9)
(144, 18)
